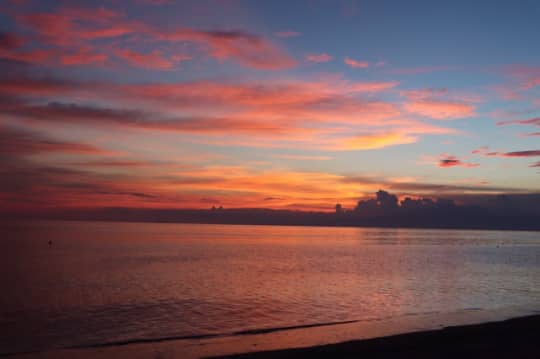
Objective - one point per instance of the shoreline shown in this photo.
(511, 338)
(339, 340)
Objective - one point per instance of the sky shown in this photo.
(276, 104)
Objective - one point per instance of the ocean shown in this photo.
(77, 284)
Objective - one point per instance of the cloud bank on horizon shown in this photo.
(169, 104)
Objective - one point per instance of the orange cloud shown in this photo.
(375, 141)
(291, 114)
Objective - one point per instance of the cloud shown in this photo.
(527, 76)
(356, 64)
(530, 153)
(287, 114)
(419, 70)
(243, 47)
(113, 163)
(438, 104)
(287, 34)
(440, 110)
(153, 60)
(452, 161)
(373, 86)
(22, 142)
(427, 188)
(38, 56)
(480, 150)
(83, 56)
(156, 2)
(376, 141)
(532, 121)
(310, 114)
(71, 27)
(484, 151)
(87, 115)
(535, 121)
(319, 58)
(10, 41)
(303, 157)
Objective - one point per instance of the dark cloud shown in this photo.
(530, 153)
(426, 187)
(454, 162)
(17, 141)
(112, 163)
(136, 119)
(10, 41)
(532, 121)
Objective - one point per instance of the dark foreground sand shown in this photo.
(513, 338)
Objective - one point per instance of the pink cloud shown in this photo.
(38, 56)
(319, 58)
(440, 110)
(287, 34)
(372, 86)
(528, 76)
(293, 114)
(153, 60)
(419, 70)
(83, 56)
(481, 150)
(438, 104)
(70, 27)
(243, 47)
(356, 64)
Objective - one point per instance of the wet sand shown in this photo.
(437, 335)
(513, 338)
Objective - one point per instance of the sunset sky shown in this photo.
(275, 104)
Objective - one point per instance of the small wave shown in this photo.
(208, 336)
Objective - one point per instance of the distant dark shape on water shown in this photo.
(497, 212)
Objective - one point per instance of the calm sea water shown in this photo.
(107, 282)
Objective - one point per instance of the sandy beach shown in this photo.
(513, 338)
(460, 334)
